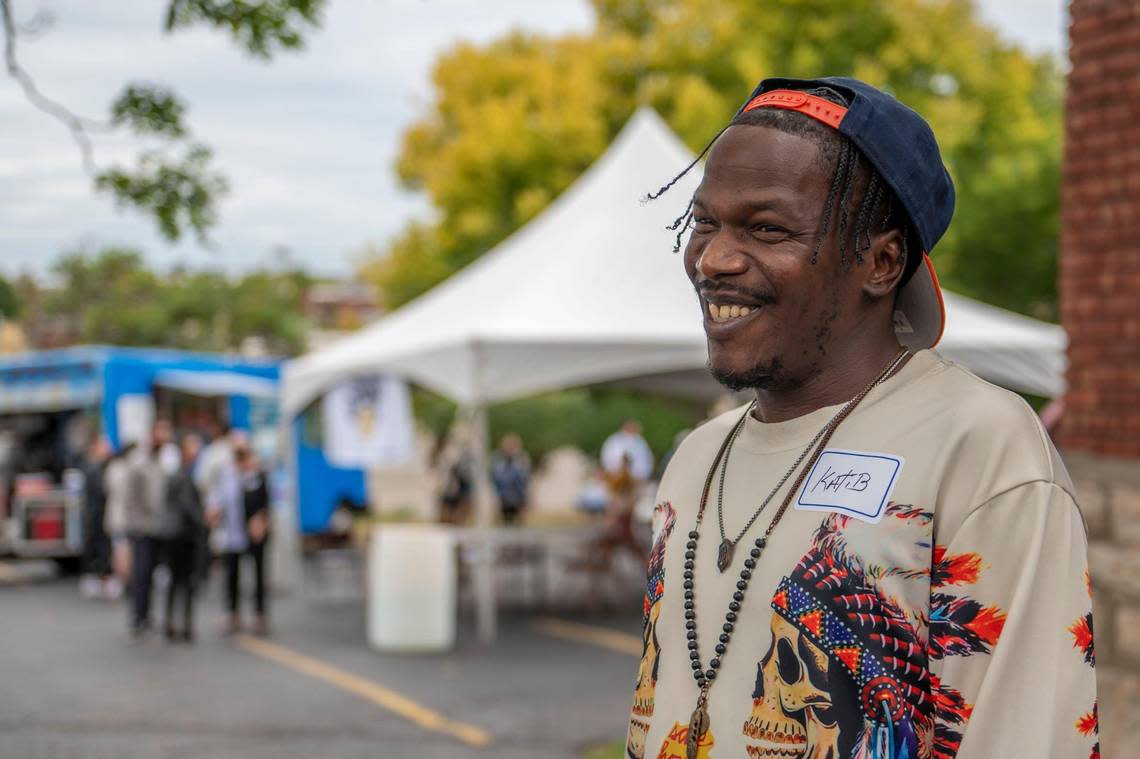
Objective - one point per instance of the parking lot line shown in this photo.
(366, 689)
(605, 637)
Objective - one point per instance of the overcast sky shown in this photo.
(307, 141)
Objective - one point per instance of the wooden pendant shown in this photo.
(698, 726)
(724, 555)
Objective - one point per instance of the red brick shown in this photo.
(1099, 271)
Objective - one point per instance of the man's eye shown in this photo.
(768, 229)
(702, 221)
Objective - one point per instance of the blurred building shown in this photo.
(1100, 309)
(333, 309)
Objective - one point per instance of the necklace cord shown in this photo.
(716, 462)
(816, 446)
(829, 430)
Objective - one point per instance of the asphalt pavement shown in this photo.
(73, 685)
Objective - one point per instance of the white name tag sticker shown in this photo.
(855, 483)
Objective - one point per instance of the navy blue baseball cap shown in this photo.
(901, 146)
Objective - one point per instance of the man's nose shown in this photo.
(721, 257)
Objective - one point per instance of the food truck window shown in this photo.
(47, 442)
(190, 412)
(36, 449)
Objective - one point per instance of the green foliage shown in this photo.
(1003, 244)
(432, 411)
(149, 110)
(585, 417)
(9, 300)
(582, 417)
(112, 297)
(516, 121)
(181, 194)
(258, 27)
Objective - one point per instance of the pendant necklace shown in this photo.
(728, 547)
(704, 676)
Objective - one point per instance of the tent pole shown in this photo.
(484, 500)
(285, 548)
(483, 575)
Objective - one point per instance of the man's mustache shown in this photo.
(707, 288)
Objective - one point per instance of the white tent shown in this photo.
(589, 292)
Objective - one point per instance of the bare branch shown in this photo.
(77, 125)
(40, 22)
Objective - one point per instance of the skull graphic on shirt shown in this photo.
(646, 685)
(846, 674)
(791, 705)
(664, 516)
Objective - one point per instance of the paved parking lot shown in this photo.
(75, 687)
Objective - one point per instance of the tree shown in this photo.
(112, 297)
(9, 300)
(513, 123)
(109, 298)
(175, 183)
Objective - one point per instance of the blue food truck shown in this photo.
(52, 402)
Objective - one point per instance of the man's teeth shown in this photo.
(724, 313)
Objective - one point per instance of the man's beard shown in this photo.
(761, 376)
(773, 374)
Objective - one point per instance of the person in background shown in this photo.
(627, 463)
(213, 458)
(116, 486)
(458, 489)
(255, 488)
(628, 443)
(167, 451)
(144, 491)
(96, 542)
(183, 522)
(623, 489)
(225, 508)
(217, 454)
(510, 474)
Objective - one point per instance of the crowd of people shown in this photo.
(175, 504)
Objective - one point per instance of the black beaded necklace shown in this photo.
(704, 676)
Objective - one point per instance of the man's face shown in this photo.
(511, 444)
(161, 432)
(191, 446)
(756, 216)
(100, 449)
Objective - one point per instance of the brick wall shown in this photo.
(1100, 309)
(1100, 237)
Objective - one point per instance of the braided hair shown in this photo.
(852, 176)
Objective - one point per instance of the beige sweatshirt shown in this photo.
(925, 595)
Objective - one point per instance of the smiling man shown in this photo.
(880, 556)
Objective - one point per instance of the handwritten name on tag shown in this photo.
(855, 483)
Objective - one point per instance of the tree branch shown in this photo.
(77, 125)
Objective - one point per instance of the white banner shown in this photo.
(368, 423)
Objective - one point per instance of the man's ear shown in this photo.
(883, 265)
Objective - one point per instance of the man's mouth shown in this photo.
(723, 310)
(721, 314)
